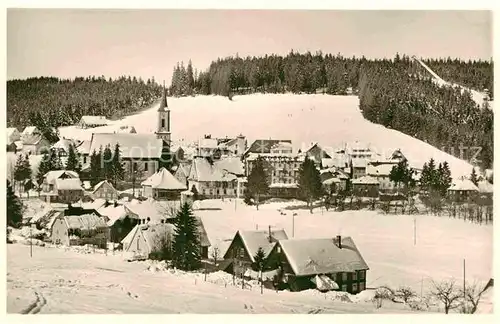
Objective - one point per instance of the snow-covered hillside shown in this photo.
(329, 120)
(477, 96)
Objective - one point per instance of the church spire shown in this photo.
(163, 103)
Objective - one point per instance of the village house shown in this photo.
(241, 252)
(232, 146)
(358, 166)
(381, 172)
(83, 150)
(144, 239)
(325, 264)
(105, 190)
(162, 186)
(316, 153)
(333, 180)
(462, 190)
(261, 146)
(92, 121)
(365, 187)
(282, 170)
(50, 177)
(485, 192)
(207, 146)
(119, 221)
(79, 230)
(30, 131)
(34, 143)
(182, 172)
(65, 191)
(210, 181)
(359, 151)
(14, 142)
(62, 146)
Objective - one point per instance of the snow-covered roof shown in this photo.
(68, 184)
(485, 186)
(322, 256)
(85, 222)
(63, 144)
(253, 240)
(359, 162)
(204, 241)
(32, 139)
(53, 175)
(202, 170)
(208, 143)
(96, 204)
(379, 170)
(232, 165)
(84, 147)
(94, 120)
(365, 180)
(263, 145)
(131, 145)
(148, 209)
(100, 184)
(463, 185)
(284, 185)
(29, 130)
(163, 179)
(12, 135)
(113, 213)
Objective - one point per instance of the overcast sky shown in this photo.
(145, 43)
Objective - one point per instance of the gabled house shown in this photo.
(62, 146)
(233, 147)
(241, 252)
(79, 230)
(365, 187)
(485, 192)
(50, 177)
(163, 185)
(182, 172)
(118, 220)
(105, 190)
(83, 150)
(92, 121)
(66, 191)
(144, 239)
(315, 263)
(30, 131)
(381, 172)
(13, 136)
(207, 146)
(463, 189)
(210, 181)
(35, 144)
(316, 153)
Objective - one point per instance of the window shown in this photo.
(162, 122)
(354, 287)
(354, 276)
(242, 253)
(344, 287)
(361, 286)
(344, 276)
(362, 275)
(84, 159)
(146, 166)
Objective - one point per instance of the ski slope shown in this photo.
(477, 96)
(330, 120)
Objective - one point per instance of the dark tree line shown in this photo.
(51, 102)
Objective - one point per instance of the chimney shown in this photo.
(339, 241)
(270, 237)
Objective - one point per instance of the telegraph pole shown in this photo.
(464, 280)
(31, 241)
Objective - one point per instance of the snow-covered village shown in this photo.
(305, 183)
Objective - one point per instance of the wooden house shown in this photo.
(182, 172)
(92, 121)
(105, 190)
(79, 230)
(210, 181)
(163, 186)
(241, 252)
(462, 190)
(324, 264)
(365, 187)
(144, 239)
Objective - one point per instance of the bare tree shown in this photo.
(405, 293)
(472, 296)
(447, 293)
(215, 255)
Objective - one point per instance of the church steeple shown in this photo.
(163, 129)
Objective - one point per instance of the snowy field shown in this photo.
(385, 241)
(329, 120)
(67, 282)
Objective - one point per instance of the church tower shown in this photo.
(163, 129)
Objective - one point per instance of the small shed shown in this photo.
(80, 230)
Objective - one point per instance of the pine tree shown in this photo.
(445, 178)
(95, 168)
(43, 168)
(117, 166)
(473, 177)
(190, 79)
(259, 258)
(55, 161)
(19, 172)
(257, 181)
(14, 208)
(107, 158)
(72, 164)
(186, 242)
(310, 186)
(27, 172)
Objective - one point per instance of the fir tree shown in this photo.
(95, 167)
(473, 177)
(259, 259)
(72, 164)
(257, 181)
(186, 242)
(117, 166)
(43, 168)
(190, 79)
(310, 185)
(107, 158)
(55, 161)
(14, 208)
(445, 178)
(19, 173)
(27, 172)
